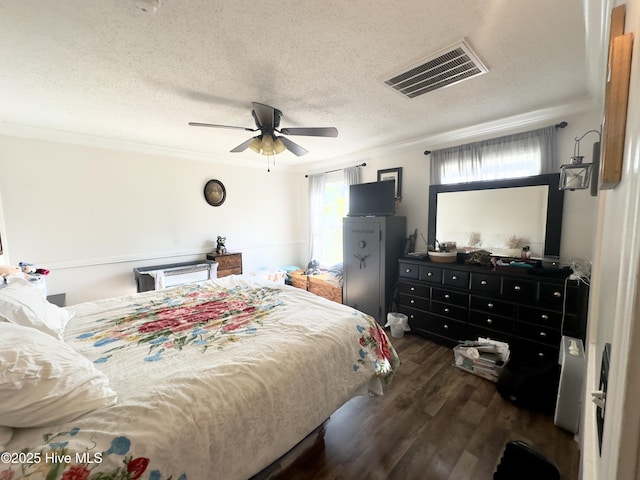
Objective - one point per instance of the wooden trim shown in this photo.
(615, 120)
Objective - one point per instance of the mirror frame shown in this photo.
(555, 204)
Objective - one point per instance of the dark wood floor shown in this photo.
(434, 422)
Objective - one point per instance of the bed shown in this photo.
(215, 379)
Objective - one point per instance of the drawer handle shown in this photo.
(408, 270)
(446, 327)
(517, 288)
(557, 294)
(483, 282)
(543, 334)
(412, 301)
(412, 316)
(454, 277)
(447, 296)
(541, 354)
(446, 310)
(413, 289)
(489, 321)
(430, 274)
(489, 305)
(544, 316)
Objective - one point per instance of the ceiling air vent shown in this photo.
(442, 69)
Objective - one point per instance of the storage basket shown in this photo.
(322, 288)
(299, 279)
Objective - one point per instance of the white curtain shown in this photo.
(316, 210)
(520, 155)
(351, 175)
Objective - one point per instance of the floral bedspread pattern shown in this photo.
(221, 376)
(196, 317)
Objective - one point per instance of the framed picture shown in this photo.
(214, 193)
(392, 174)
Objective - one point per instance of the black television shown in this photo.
(372, 199)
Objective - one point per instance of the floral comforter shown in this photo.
(216, 380)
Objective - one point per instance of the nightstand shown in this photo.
(228, 263)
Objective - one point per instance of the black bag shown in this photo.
(530, 381)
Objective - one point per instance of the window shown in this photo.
(521, 155)
(328, 205)
(335, 207)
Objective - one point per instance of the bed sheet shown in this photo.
(215, 380)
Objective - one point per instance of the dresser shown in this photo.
(531, 310)
(228, 263)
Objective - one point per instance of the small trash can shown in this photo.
(398, 323)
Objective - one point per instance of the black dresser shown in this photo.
(528, 308)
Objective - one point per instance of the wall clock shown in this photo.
(214, 193)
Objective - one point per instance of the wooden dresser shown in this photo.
(529, 310)
(228, 263)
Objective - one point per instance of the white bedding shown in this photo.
(214, 380)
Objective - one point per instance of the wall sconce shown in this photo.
(577, 175)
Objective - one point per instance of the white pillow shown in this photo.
(23, 304)
(5, 435)
(44, 381)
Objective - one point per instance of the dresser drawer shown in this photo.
(538, 333)
(546, 318)
(449, 311)
(456, 278)
(527, 349)
(555, 296)
(415, 289)
(413, 315)
(409, 270)
(522, 291)
(487, 284)
(492, 306)
(475, 332)
(430, 274)
(447, 296)
(493, 322)
(445, 327)
(412, 301)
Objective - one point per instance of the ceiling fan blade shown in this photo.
(243, 146)
(213, 125)
(311, 132)
(293, 147)
(265, 115)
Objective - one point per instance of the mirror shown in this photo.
(500, 216)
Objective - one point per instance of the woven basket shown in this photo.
(299, 279)
(324, 289)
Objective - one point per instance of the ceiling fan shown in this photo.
(267, 121)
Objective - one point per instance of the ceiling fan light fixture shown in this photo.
(256, 144)
(267, 145)
(278, 146)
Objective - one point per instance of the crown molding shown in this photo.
(60, 136)
(533, 119)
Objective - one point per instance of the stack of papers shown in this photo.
(484, 357)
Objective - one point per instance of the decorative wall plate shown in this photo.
(214, 193)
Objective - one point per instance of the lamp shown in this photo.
(577, 175)
(267, 145)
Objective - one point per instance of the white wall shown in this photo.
(91, 215)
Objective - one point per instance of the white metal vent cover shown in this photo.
(444, 68)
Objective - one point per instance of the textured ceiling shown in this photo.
(105, 69)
